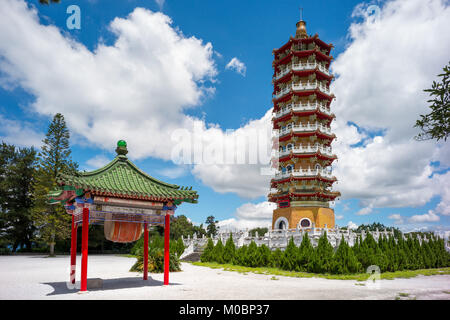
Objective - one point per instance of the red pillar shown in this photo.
(145, 251)
(166, 249)
(84, 249)
(73, 250)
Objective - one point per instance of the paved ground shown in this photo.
(39, 277)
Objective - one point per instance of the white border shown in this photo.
(299, 226)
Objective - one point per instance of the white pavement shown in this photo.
(39, 277)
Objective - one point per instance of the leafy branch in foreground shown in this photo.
(436, 124)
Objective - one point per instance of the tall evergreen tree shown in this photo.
(344, 260)
(16, 195)
(229, 251)
(207, 254)
(290, 257)
(218, 250)
(323, 256)
(305, 254)
(52, 221)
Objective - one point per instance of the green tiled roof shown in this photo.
(122, 178)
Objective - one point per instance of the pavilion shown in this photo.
(122, 198)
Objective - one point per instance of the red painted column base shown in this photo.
(145, 251)
(84, 250)
(73, 251)
(166, 248)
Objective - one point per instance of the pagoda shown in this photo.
(125, 200)
(301, 120)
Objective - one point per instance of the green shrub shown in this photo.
(229, 251)
(289, 259)
(217, 253)
(305, 254)
(156, 261)
(207, 255)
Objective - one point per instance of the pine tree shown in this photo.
(240, 256)
(344, 260)
(305, 254)
(290, 257)
(264, 256)
(52, 222)
(229, 251)
(217, 253)
(275, 258)
(208, 252)
(251, 255)
(323, 256)
(16, 195)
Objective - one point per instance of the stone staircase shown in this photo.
(194, 255)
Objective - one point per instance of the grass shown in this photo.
(358, 276)
(401, 294)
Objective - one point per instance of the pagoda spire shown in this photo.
(301, 27)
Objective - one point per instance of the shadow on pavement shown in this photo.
(108, 284)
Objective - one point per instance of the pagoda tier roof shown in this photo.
(121, 178)
(301, 54)
(320, 194)
(303, 93)
(287, 116)
(314, 38)
(274, 182)
(302, 73)
(317, 133)
(317, 154)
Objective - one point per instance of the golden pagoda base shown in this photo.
(317, 215)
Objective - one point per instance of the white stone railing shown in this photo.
(305, 127)
(301, 67)
(304, 173)
(307, 149)
(280, 238)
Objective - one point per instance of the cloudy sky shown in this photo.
(161, 74)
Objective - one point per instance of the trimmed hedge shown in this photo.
(390, 254)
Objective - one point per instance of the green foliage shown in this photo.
(181, 226)
(290, 257)
(322, 257)
(261, 231)
(52, 222)
(156, 261)
(436, 124)
(390, 254)
(211, 226)
(17, 180)
(229, 251)
(305, 254)
(217, 253)
(344, 260)
(156, 241)
(207, 254)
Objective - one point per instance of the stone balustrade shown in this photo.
(279, 238)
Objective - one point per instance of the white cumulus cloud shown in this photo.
(237, 65)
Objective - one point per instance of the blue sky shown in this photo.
(249, 31)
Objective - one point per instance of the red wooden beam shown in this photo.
(84, 250)
(73, 251)
(145, 251)
(166, 249)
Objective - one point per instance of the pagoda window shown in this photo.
(290, 146)
(318, 167)
(289, 168)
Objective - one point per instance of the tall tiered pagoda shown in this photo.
(301, 119)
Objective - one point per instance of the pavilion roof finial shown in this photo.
(301, 27)
(121, 148)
